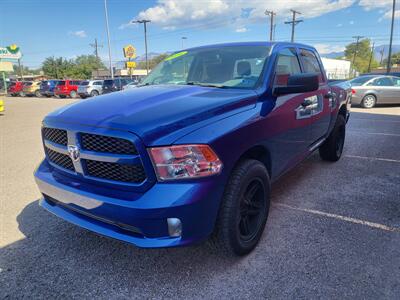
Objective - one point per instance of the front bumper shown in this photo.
(141, 220)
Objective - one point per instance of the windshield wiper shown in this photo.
(220, 86)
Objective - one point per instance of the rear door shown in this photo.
(396, 90)
(385, 89)
(289, 121)
(320, 103)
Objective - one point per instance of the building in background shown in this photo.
(336, 68)
(137, 74)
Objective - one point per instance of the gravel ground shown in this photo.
(333, 230)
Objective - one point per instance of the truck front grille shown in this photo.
(58, 136)
(62, 160)
(108, 144)
(114, 171)
(94, 161)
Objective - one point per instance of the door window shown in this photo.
(311, 64)
(287, 65)
(382, 81)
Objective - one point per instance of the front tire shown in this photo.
(244, 209)
(368, 101)
(332, 148)
(38, 94)
(72, 94)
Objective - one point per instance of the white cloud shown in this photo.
(327, 48)
(218, 13)
(79, 33)
(388, 15)
(351, 22)
(241, 29)
(373, 4)
(339, 25)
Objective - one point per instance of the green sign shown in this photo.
(10, 52)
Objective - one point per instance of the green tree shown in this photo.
(79, 68)
(25, 70)
(395, 59)
(363, 55)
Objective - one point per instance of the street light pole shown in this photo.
(183, 39)
(389, 61)
(145, 39)
(108, 39)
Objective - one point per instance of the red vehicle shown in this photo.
(16, 88)
(66, 88)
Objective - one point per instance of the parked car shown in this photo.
(16, 88)
(191, 153)
(113, 85)
(90, 88)
(32, 89)
(370, 90)
(47, 87)
(396, 74)
(66, 88)
(131, 85)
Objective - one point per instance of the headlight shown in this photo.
(184, 161)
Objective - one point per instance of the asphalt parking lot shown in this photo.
(333, 230)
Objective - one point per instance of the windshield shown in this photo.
(61, 83)
(360, 80)
(229, 67)
(84, 83)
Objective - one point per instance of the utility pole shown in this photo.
(294, 22)
(21, 74)
(272, 27)
(358, 37)
(381, 53)
(96, 52)
(389, 60)
(144, 22)
(370, 57)
(183, 39)
(108, 39)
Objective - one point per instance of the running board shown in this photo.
(317, 144)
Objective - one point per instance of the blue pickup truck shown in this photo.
(191, 153)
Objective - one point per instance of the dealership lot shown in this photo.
(333, 230)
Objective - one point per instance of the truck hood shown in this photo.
(157, 114)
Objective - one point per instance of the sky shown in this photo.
(66, 28)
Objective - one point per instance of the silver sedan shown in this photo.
(369, 90)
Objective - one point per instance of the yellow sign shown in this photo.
(6, 66)
(131, 64)
(129, 51)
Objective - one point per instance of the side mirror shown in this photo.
(300, 83)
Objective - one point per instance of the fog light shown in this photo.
(174, 227)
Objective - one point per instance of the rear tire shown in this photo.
(94, 93)
(38, 94)
(244, 209)
(72, 94)
(368, 101)
(332, 148)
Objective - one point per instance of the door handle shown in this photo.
(328, 95)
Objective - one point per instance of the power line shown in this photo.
(272, 27)
(96, 52)
(294, 22)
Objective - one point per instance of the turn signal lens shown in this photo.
(184, 161)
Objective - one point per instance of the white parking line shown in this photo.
(373, 158)
(377, 120)
(375, 133)
(342, 218)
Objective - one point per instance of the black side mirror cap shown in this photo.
(300, 83)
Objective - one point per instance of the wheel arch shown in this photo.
(260, 153)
